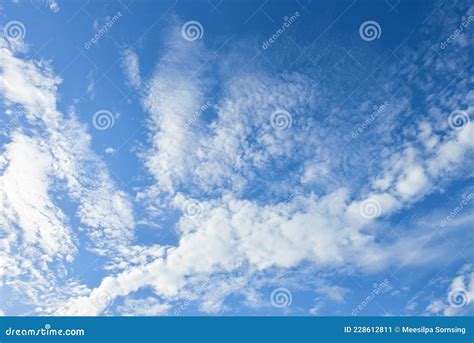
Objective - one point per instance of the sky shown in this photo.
(236, 158)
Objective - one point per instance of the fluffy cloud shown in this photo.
(459, 296)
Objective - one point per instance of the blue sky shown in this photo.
(236, 158)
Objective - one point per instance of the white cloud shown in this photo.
(236, 150)
(215, 154)
(143, 307)
(459, 297)
(53, 6)
(54, 153)
(412, 182)
(131, 67)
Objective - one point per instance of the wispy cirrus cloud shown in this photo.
(50, 153)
